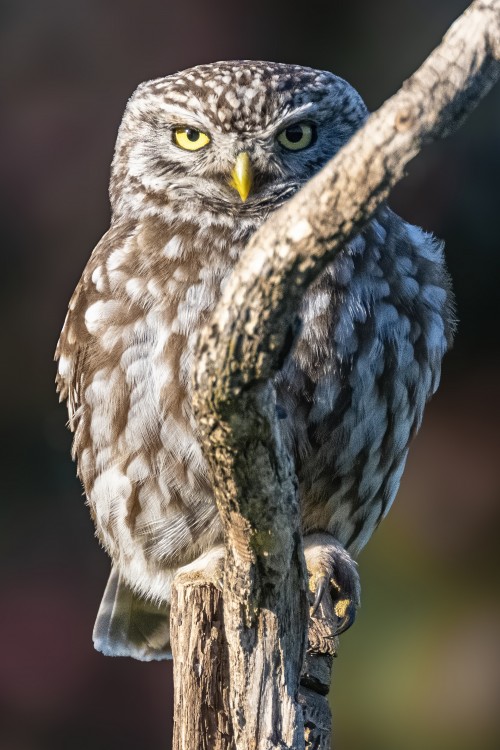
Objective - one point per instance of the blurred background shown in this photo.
(421, 668)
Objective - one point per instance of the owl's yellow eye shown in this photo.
(190, 138)
(297, 136)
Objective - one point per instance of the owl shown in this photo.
(202, 159)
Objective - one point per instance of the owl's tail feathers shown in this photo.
(129, 625)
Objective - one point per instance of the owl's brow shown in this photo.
(277, 125)
(180, 116)
(297, 114)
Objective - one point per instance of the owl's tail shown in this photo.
(129, 625)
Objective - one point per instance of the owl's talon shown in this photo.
(321, 587)
(344, 608)
(345, 611)
(332, 570)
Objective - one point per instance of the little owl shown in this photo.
(202, 158)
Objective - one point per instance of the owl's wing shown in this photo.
(129, 625)
(70, 355)
(74, 348)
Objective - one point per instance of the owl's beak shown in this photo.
(242, 175)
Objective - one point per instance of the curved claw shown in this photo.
(320, 590)
(344, 608)
(345, 611)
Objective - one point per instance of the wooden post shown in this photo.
(201, 669)
(202, 673)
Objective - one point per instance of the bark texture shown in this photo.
(201, 698)
(238, 665)
(202, 672)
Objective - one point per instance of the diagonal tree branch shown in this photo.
(251, 332)
(297, 242)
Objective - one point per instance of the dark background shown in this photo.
(421, 668)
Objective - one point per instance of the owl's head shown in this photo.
(229, 138)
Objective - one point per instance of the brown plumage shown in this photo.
(202, 158)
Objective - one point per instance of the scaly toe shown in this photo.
(332, 570)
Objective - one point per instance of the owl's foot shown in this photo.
(332, 570)
(207, 568)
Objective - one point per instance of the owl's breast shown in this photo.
(143, 305)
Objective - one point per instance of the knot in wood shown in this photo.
(404, 119)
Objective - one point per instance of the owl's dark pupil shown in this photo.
(294, 133)
(192, 135)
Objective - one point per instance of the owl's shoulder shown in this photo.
(414, 263)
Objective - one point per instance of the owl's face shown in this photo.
(229, 138)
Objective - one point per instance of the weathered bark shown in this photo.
(250, 333)
(201, 669)
(265, 604)
(202, 672)
(316, 677)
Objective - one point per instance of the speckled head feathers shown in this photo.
(248, 96)
(242, 105)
